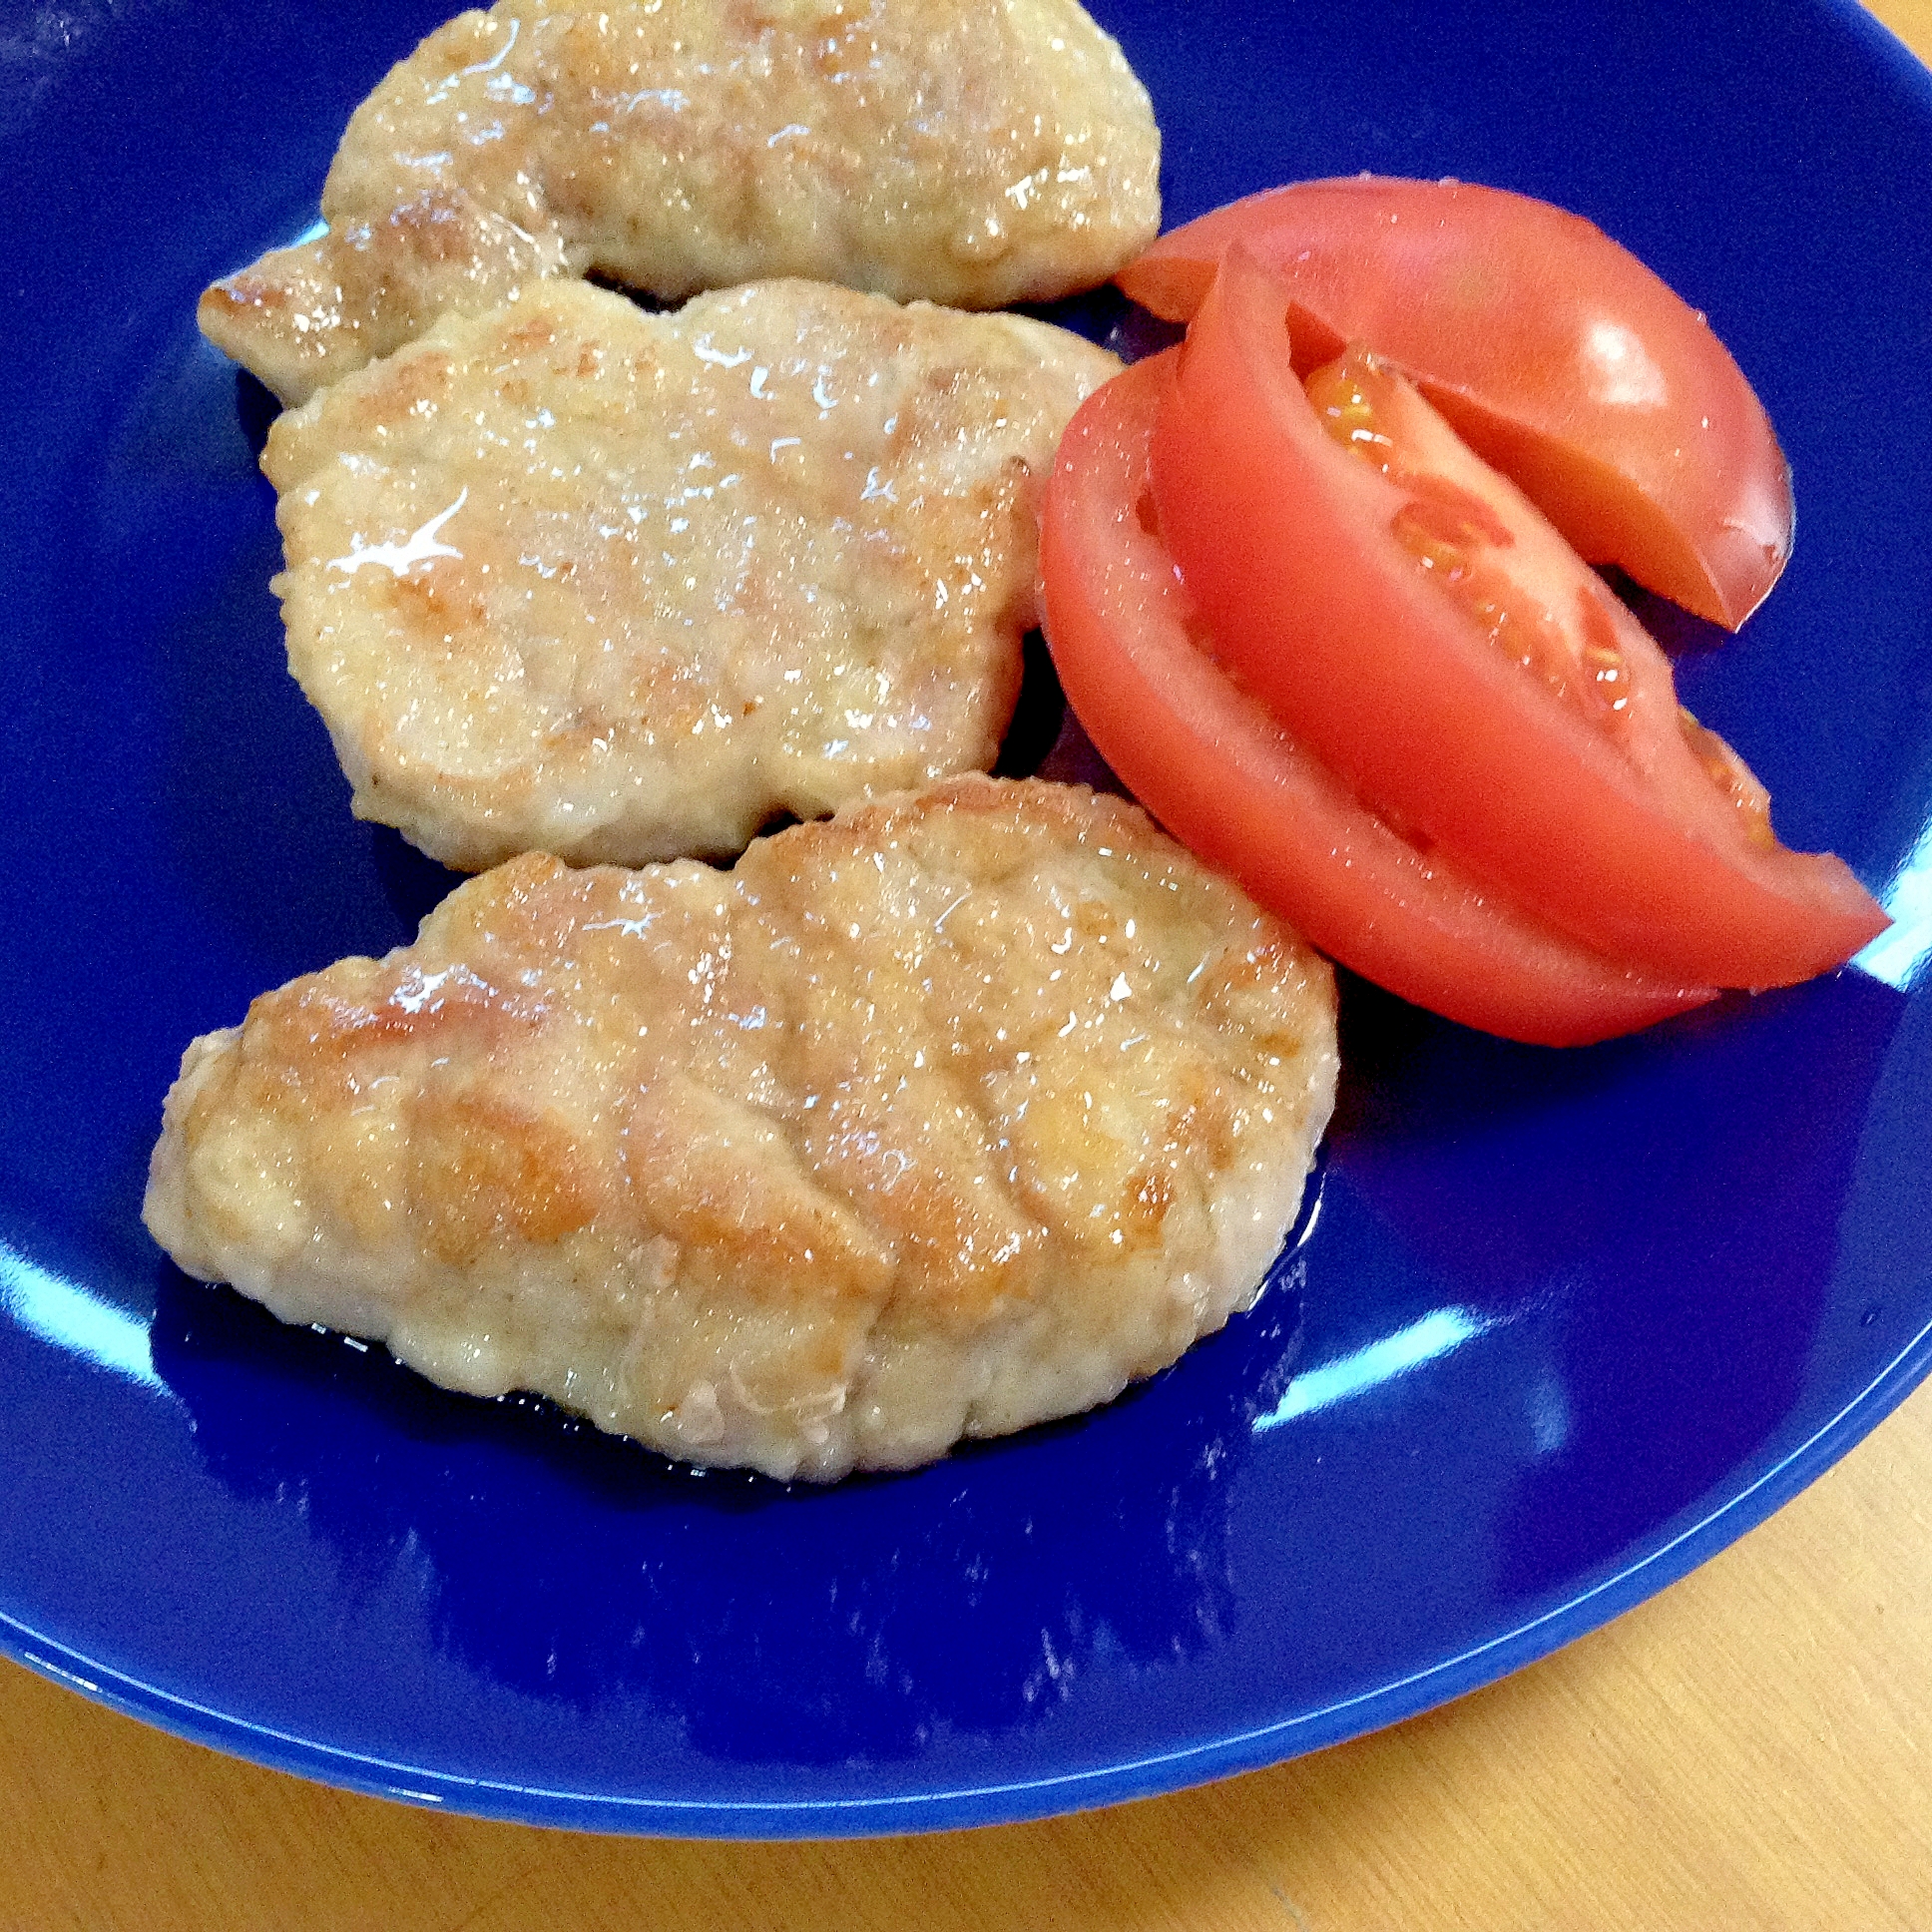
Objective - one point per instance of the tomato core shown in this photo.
(1451, 531)
(1737, 782)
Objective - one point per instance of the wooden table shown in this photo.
(1752, 1748)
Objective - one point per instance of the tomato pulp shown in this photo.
(1554, 353)
(1206, 758)
(1490, 742)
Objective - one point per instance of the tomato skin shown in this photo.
(1285, 543)
(1554, 353)
(1206, 761)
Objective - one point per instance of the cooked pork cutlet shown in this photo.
(571, 577)
(968, 151)
(948, 1115)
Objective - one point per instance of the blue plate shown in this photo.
(1554, 1328)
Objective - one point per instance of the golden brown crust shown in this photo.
(953, 1112)
(970, 151)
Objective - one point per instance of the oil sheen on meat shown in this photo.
(571, 577)
(969, 151)
(953, 1113)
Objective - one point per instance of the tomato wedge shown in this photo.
(1209, 763)
(1491, 737)
(1554, 353)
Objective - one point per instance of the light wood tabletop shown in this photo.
(1752, 1747)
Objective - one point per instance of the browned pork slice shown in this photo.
(571, 577)
(968, 151)
(947, 1114)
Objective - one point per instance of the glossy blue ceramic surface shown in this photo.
(1557, 1327)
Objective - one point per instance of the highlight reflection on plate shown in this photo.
(1554, 1326)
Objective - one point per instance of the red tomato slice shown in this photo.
(1209, 763)
(1582, 795)
(1555, 353)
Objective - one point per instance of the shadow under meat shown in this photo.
(780, 1623)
